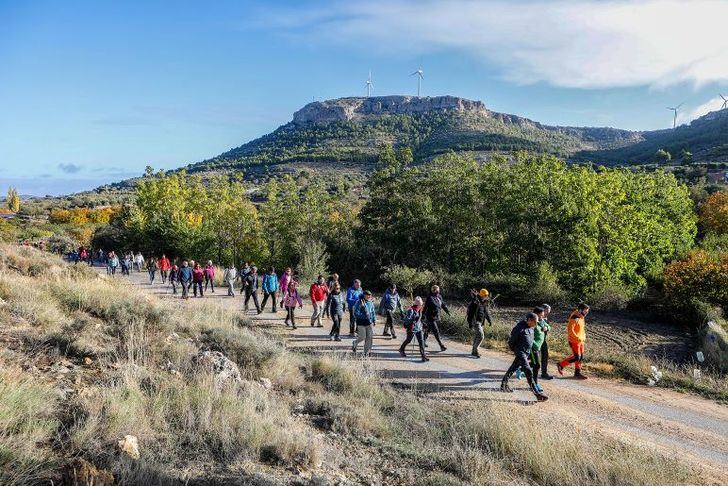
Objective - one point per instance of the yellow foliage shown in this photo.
(714, 213)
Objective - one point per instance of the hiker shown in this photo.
(434, 305)
(545, 327)
(229, 277)
(477, 315)
(139, 261)
(413, 328)
(535, 356)
(366, 318)
(291, 297)
(242, 274)
(113, 262)
(152, 267)
(164, 266)
(285, 280)
(198, 276)
(353, 295)
(337, 307)
(576, 329)
(270, 288)
(333, 279)
(318, 292)
(209, 272)
(251, 282)
(125, 264)
(173, 278)
(185, 279)
(521, 343)
(387, 306)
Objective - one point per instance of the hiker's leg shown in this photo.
(420, 343)
(351, 320)
(408, 340)
(478, 337)
(436, 332)
(545, 357)
(369, 339)
(535, 365)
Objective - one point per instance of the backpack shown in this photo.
(409, 319)
(513, 338)
(360, 312)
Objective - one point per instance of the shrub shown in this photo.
(702, 276)
(546, 286)
(312, 262)
(409, 279)
(610, 295)
(714, 213)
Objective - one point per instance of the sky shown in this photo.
(92, 92)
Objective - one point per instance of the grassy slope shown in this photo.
(86, 360)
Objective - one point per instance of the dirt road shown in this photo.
(690, 427)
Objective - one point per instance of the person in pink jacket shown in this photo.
(284, 282)
(291, 297)
(209, 272)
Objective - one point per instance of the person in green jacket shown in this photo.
(539, 334)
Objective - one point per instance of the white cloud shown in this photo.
(689, 115)
(585, 44)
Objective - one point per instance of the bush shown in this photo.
(714, 213)
(409, 279)
(546, 286)
(312, 262)
(609, 295)
(702, 276)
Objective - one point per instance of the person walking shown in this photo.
(113, 262)
(174, 278)
(164, 266)
(251, 282)
(546, 327)
(209, 272)
(124, 263)
(337, 307)
(286, 278)
(230, 276)
(270, 289)
(576, 329)
(434, 305)
(291, 298)
(535, 356)
(521, 343)
(242, 275)
(353, 295)
(333, 279)
(185, 279)
(198, 276)
(477, 315)
(387, 306)
(318, 292)
(366, 318)
(152, 268)
(413, 328)
(139, 261)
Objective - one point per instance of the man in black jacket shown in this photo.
(251, 282)
(433, 312)
(521, 343)
(477, 315)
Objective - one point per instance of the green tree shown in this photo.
(13, 200)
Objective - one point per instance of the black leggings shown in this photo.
(434, 328)
(210, 281)
(545, 356)
(521, 361)
(336, 327)
(408, 339)
(535, 364)
(291, 315)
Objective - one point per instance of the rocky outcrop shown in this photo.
(347, 109)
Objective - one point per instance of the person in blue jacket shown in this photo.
(353, 295)
(366, 317)
(185, 279)
(270, 288)
(387, 306)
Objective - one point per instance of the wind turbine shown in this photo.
(725, 102)
(369, 85)
(674, 116)
(420, 77)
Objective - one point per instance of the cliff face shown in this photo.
(346, 109)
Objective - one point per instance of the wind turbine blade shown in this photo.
(416, 72)
(678, 106)
(724, 98)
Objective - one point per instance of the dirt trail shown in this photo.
(694, 428)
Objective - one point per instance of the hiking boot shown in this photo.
(394, 337)
(579, 376)
(337, 338)
(505, 387)
(402, 353)
(475, 355)
(541, 397)
(425, 345)
(331, 338)
(443, 348)
(385, 333)
(547, 377)
(560, 369)
(425, 359)
(294, 327)
(538, 387)
(260, 312)
(320, 325)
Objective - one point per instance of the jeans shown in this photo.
(164, 274)
(195, 286)
(408, 339)
(211, 282)
(318, 312)
(389, 324)
(185, 288)
(336, 327)
(173, 283)
(291, 316)
(272, 296)
(434, 328)
(479, 336)
(352, 321)
(152, 274)
(366, 334)
(254, 294)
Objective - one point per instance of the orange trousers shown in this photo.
(577, 350)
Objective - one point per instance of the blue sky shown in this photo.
(92, 92)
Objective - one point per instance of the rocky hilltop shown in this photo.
(361, 108)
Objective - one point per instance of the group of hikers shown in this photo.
(528, 339)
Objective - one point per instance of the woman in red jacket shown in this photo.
(198, 276)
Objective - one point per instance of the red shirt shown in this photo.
(318, 292)
(164, 263)
(198, 275)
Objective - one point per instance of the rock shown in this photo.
(130, 446)
(225, 370)
(87, 361)
(266, 383)
(80, 472)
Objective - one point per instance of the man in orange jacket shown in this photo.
(577, 336)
